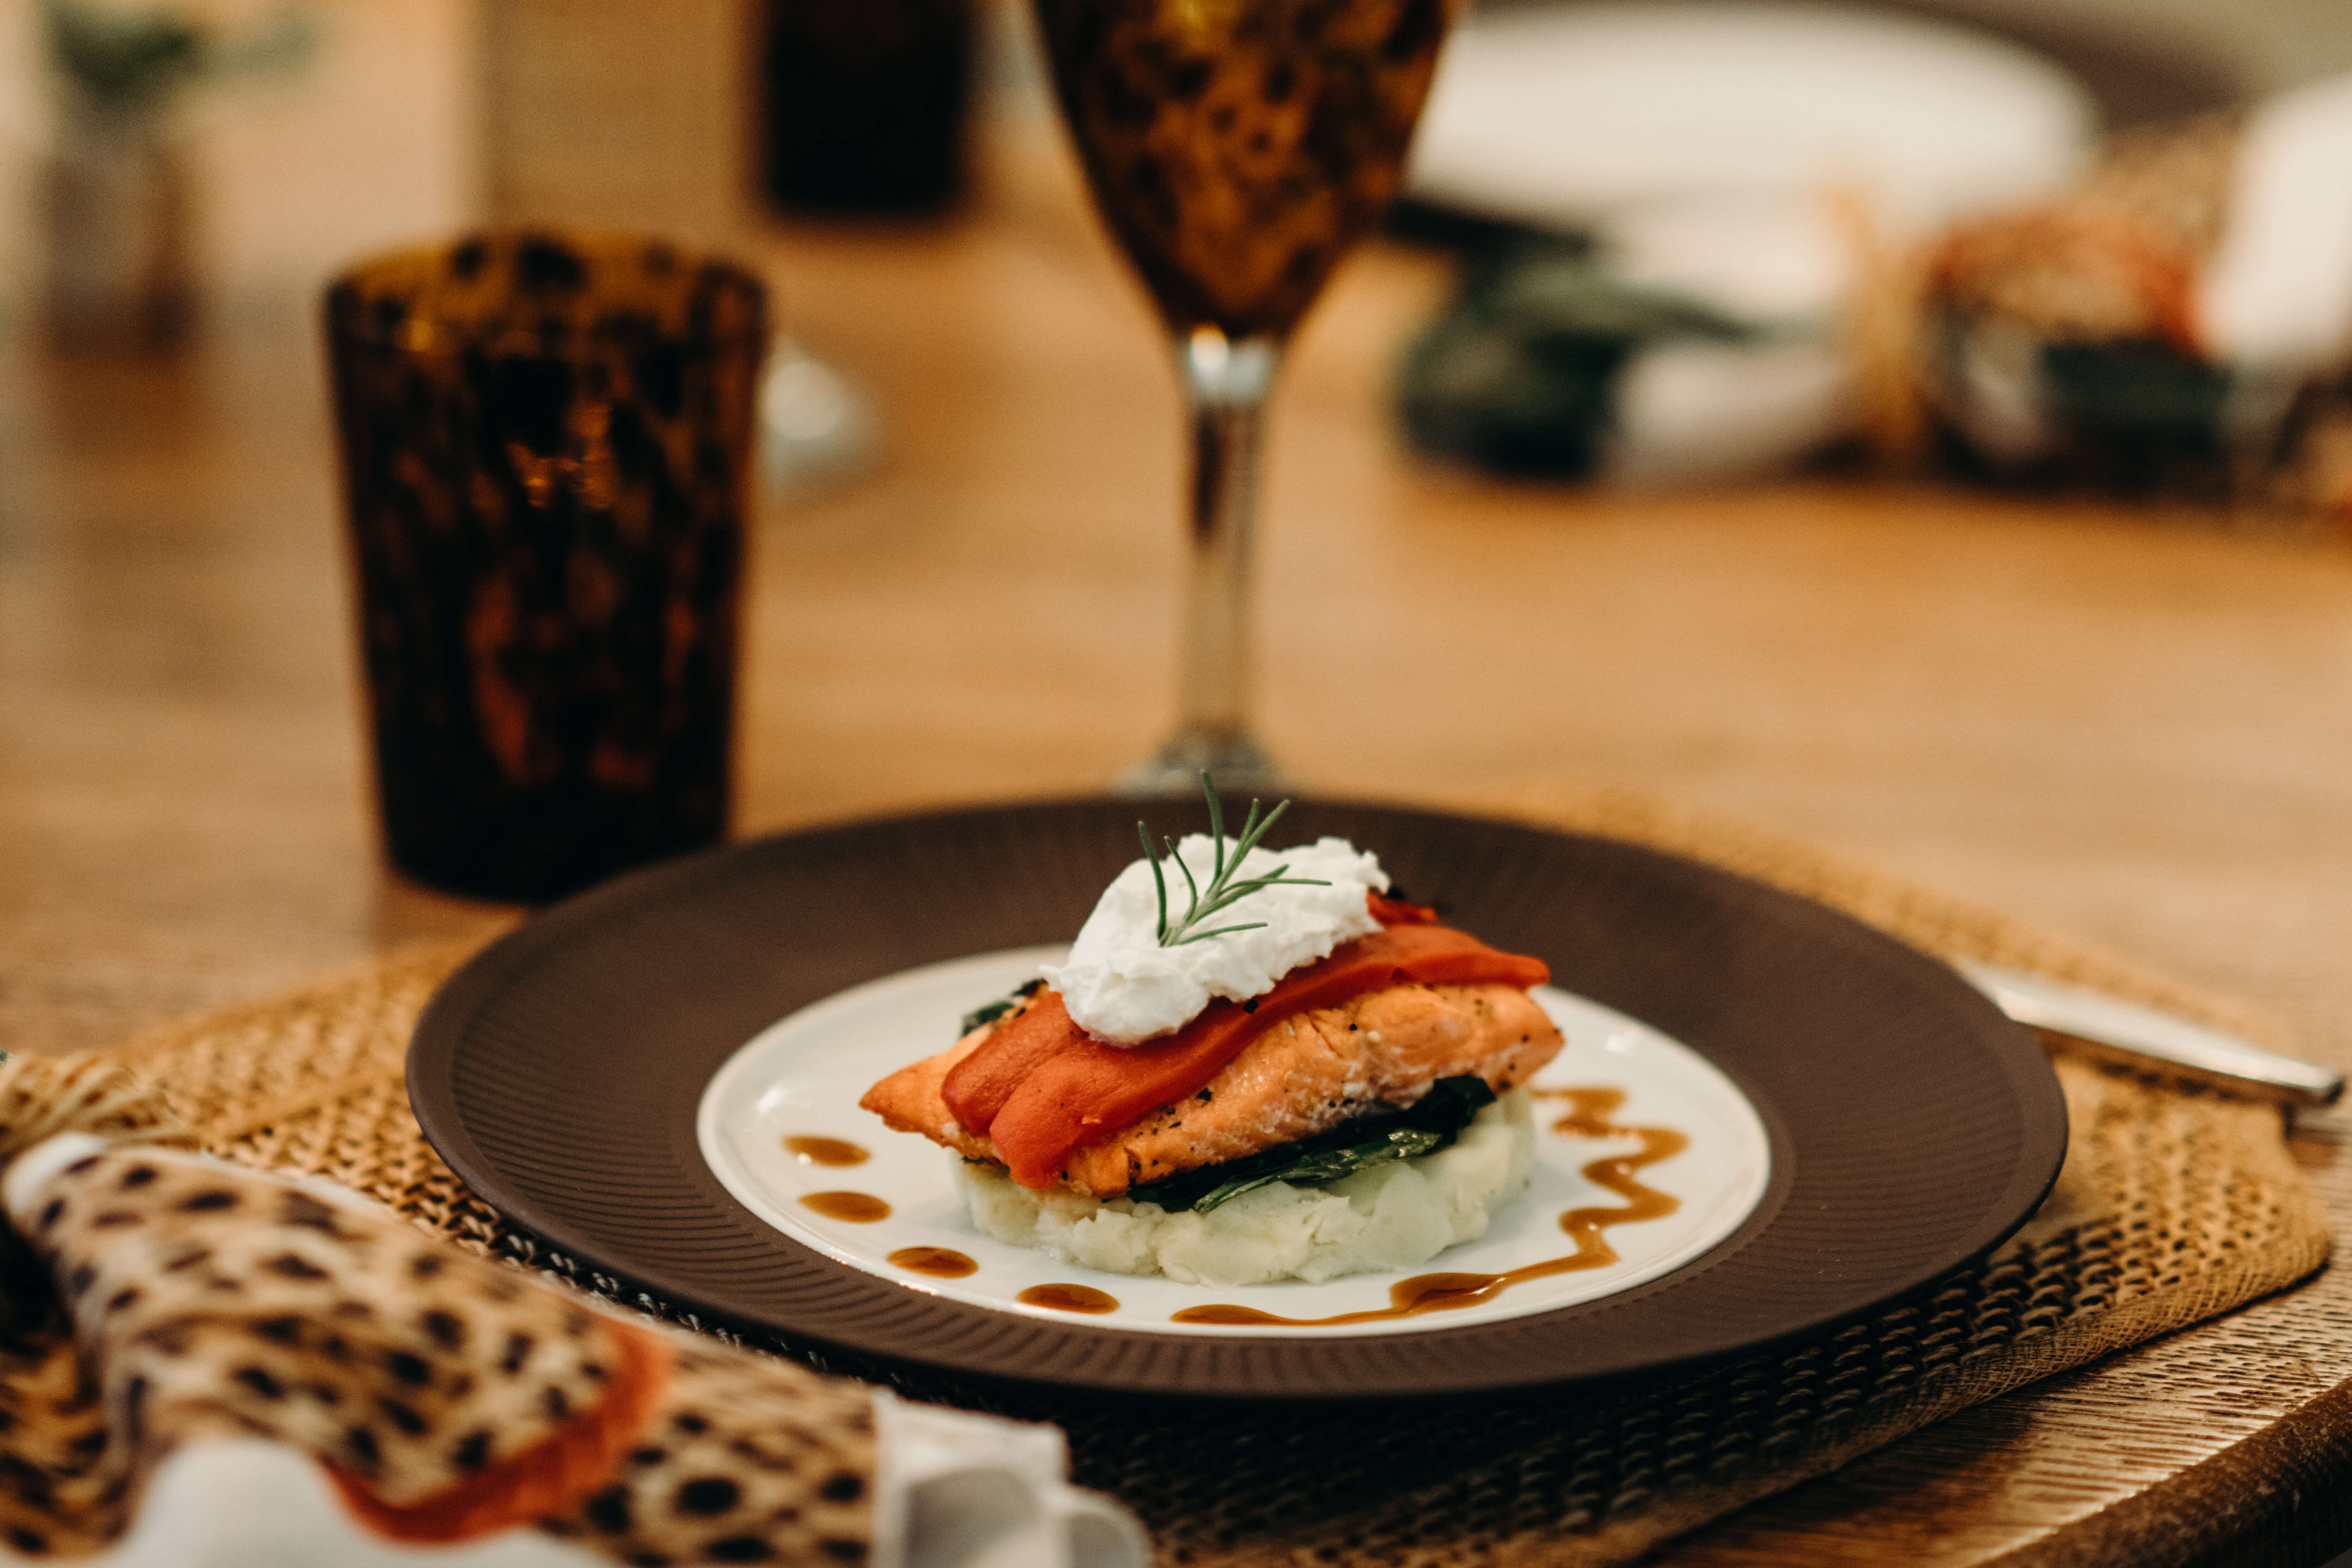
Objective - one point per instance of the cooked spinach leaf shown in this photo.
(996, 1009)
(1430, 1124)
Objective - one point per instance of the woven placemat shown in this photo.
(2174, 1206)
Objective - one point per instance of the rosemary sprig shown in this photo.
(1224, 890)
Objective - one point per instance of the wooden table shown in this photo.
(2131, 727)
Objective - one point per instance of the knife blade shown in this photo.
(2144, 1038)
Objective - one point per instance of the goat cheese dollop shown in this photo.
(1123, 988)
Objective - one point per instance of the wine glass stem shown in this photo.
(1225, 387)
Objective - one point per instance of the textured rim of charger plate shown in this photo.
(563, 1071)
(803, 1077)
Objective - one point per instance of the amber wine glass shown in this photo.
(1237, 147)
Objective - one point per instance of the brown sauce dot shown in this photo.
(856, 1208)
(939, 1262)
(1221, 1313)
(825, 1151)
(1069, 1298)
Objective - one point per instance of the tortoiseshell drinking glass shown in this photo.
(547, 445)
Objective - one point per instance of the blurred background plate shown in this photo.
(1559, 115)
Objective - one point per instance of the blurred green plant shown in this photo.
(127, 63)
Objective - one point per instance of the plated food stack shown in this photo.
(1318, 1085)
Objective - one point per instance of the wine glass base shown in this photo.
(1232, 758)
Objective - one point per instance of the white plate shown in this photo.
(1565, 114)
(803, 1077)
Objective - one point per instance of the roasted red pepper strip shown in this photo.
(1081, 1090)
(1397, 912)
(977, 1086)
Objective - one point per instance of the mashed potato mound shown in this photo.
(1395, 1216)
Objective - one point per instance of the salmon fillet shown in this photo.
(1380, 1050)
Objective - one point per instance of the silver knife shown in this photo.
(2136, 1037)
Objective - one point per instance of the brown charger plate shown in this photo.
(1912, 1125)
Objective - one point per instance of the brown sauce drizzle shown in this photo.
(1068, 1298)
(857, 1208)
(825, 1151)
(939, 1262)
(1588, 1117)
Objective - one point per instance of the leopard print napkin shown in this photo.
(155, 1299)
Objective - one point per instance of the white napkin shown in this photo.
(960, 1491)
(2276, 297)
